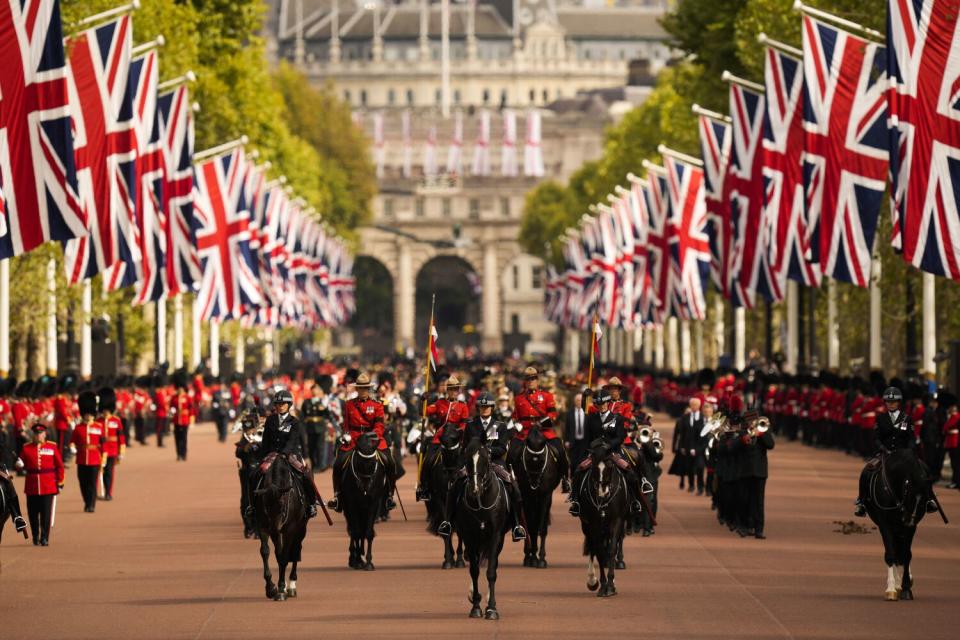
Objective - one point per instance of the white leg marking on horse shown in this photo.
(892, 583)
(591, 572)
(476, 483)
(602, 489)
(292, 585)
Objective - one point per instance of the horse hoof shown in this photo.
(476, 612)
(611, 591)
(491, 614)
(527, 561)
(906, 594)
(280, 597)
(542, 563)
(369, 567)
(891, 596)
(460, 564)
(593, 586)
(447, 565)
(621, 565)
(291, 593)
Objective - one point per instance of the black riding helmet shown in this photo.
(485, 400)
(281, 396)
(892, 394)
(603, 396)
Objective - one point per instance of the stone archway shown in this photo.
(372, 323)
(458, 313)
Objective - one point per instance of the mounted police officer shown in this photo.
(448, 412)
(496, 435)
(283, 435)
(894, 431)
(534, 407)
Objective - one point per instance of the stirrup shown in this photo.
(334, 503)
(519, 533)
(391, 503)
(574, 508)
(312, 510)
(445, 529)
(932, 506)
(423, 495)
(645, 486)
(19, 523)
(637, 505)
(564, 485)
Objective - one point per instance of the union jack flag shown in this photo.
(924, 68)
(36, 149)
(748, 271)
(105, 149)
(151, 215)
(638, 210)
(222, 227)
(575, 280)
(689, 244)
(715, 152)
(658, 243)
(845, 147)
(176, 130)
(626, 235)
(783, 172)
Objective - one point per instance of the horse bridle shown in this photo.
(601, 507)
(486, 482)
(364, 480)
(543, 468)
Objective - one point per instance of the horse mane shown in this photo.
(535, 439)
(473, 447)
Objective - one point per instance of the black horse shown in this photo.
(482, 518)
(538, 474)
(363, 491)
(894, 494)
(8, 500)
(281, 518)
(604, 508)
(440, 475)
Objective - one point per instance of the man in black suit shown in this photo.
(753, 442)
(689, 443)
(575, 431)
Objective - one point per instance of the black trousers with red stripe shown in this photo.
(108, 470)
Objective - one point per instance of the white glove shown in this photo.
(73, 448)
(19, 464)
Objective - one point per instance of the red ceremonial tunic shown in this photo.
(112, 436)
(444, 412)
(162, 403)
(21, 411)
(44, 468)
(362, 416)
(951, 432)
(184, 407)
(63, 412)
(530, 407)
(88, 440)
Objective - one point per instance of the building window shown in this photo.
(516, 277)
(474, 208)
(533, 96)
(447, 207)
(410, 97)
(538, 277)
(514, 323)
(391, 97)
(346, 96)
(419, 208)
(456, 96)
(486, 96)
(439, 96)
(546, 95)
(505, 207)
(504, 97)
(388, 207)
(363, 97)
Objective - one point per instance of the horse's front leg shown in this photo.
(447, 552)
(542, 532)
(493, 559)
(906, 556)
(282, 582)
(612, 545)
(459, 564)
(474, 558)
(292, 585)
(368, 565)
(271, 590)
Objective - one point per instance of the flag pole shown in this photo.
(426, 388)
(109, 13)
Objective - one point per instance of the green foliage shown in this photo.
(548, 211)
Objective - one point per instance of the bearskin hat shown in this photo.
(108, 399)
(87, 403)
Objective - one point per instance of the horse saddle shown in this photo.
(294, 461)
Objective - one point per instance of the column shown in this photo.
(673, 346)
(492, 334)
(571, 360)
(699, 360)
(876, 357)
(658, 359)
(685, 360)
(719, 330)
(240, 351)
(269, 356)
(196, 349)
(4, 318)
(833, 334)
(214, 347)
(929, 324)
(377, 36)
(793, 326)
(52, 317)
(471, 30)
(424, 38)
(178, 331)
(405, 298)
(740, 337)
(161, 329)
(86, 338)
(648, 338)
(335, 32)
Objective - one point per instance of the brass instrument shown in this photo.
(656, 441)
(645, 434)
(759, 427)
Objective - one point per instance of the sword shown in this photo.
(936, 501)
(323, 506)
(400, 502)
(102, 491)
(53, 512)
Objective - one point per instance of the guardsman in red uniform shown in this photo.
(363, 414)
(182, 419)
(114, 442)
(22, 411)
(161, 410)
(141, 401)
(44, 466)
(87, 444)
(447, 412)
(534, 407)
(951, 443)
(64, 414)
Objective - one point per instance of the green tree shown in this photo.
(548, 211)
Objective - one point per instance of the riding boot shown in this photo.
(563, 465)
(574, 498)
(453, 493)
(334, 502)
(310, 495)
(860, 510)
(518, 533)
(392, 475)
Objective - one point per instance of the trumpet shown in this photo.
(645, 434)
(759, 427)
(656, 441)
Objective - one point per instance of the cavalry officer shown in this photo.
(446, 412)
(651, 449)
(114, 442)
(44, 467)
(87, 444)
(182, 419)
(535, 407)
(496, 436)
(625, 409)
(362, 414)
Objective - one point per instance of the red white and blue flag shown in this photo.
(783, 172)
(715, 140)
(105, 149)
(846, 147)
(923, 60)
(40, 195)
(182, 267)
(229, 286)
(659, 236)
(689, 244)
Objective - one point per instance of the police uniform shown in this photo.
(247, 452)
(315, 417)
(45, 474)
(537, 408)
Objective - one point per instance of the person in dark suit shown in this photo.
(690, 447)
(575, 432)
(753, 441)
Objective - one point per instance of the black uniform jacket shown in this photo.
(496, 435)
(753, 454)
(285, 438)
(609, 427)
(895, 435)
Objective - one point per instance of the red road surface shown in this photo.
(166, 559)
